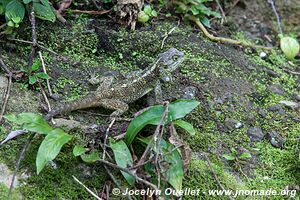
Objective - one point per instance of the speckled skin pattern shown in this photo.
(117, 96)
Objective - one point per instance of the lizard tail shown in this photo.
(86, 102)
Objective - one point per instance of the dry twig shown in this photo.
(87, 189)
(45, 71)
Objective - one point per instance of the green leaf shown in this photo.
(11, 24)
(42, 75)
(147, 10)
(14, 9)
(205, 21)
(34, 122)
(228, 157)
(150, 116)
(35, 66)
(32, 79)
(44, 11)
(290, 47)
(245, 155)
(174, 172)
(153, 13)
(194, 10)
(123, 158)
(143, 17)
(90, 158)
(50, 147)
(78, 150)
(26, 1)
(186, 126)
(177, 109)
(11, 117)
(16, 20)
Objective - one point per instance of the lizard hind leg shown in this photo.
(119, 106)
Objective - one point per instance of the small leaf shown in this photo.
(205, 21)
(35, 66)
(153, 13)
(78, 150)
(42, 75)
(148, 10)
(44, 11)
(50, 147)
(245, 155)
(11, 117)
(34, 122)
(228, 157)
(16, 20)
(186, 126)
(123, 158)
(32, 79)
(143, 17)
(11, 24)
(290, 47)
(26, 1)
(90, 158)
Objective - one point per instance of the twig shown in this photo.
(215, 175)
(106, 136)
(44, 70)
(6, 97)
(89, 191)
(21, 156)
(277, 16)
(166, 36)
(128, 172)
(46, 100)
(33, 32)
(225, 40)
(3, 25)
(91, 12)
(113, 178)
(3, 66)
(222, 12)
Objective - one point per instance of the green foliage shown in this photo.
(32, 73)
(146, 14)
(186, 126)
(14, 11)
(177, 109)
(52, 143)
(123, 158)
(233, 156)
(290, 47)
(197, 9)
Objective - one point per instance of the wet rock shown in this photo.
(296, 97)
(276, 89)
(190, 92)
(232, 124)
(290, 104)
(277, 108)
(275, 139)
(255, 134)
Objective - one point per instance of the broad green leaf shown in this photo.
(11, 117)
(32, 79)
(35, 66)
(150, 116)
(228, 156)
(91, 157)
(78, 150)
(44, 11)
(50, 147)
(290, 47)
(147, 10)
(14, 9)
(205, 21)
(174, 172)
(123, 158)
(26, 1)
(186, 126)
(42, 75)
(143, 17)
(245, 155)
(194, 10)
(177, 109)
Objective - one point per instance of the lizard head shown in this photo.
(169, 62)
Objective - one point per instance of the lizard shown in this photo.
(117, 96)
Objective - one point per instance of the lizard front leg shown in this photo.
(119, 106)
